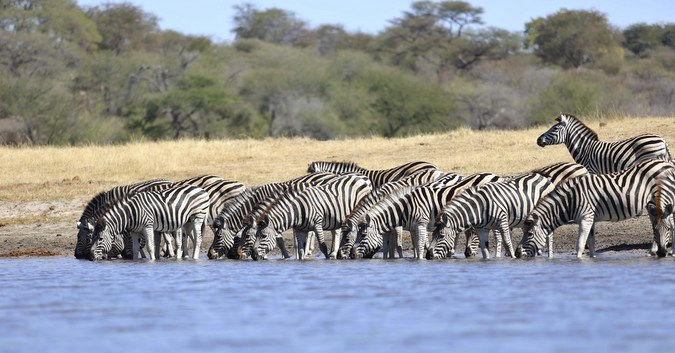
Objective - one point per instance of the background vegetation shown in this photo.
(108, 74)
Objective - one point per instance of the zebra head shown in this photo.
(368, 240)
(223, 238)
(85, 230)
(265, 240)
(556, 134)
(442, 243)
(534, 238)
(102, 240)
(347, 236)
(662, 223)
(248, 237)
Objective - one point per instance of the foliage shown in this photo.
(109, 74)
(572, 38)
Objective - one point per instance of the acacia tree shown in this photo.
(572, 38)
(123, 26)
(271, 25)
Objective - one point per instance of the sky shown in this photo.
(213, 18)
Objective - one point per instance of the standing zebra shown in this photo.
(603, 157)
(230, 221)
(316, 209)
(497, 206)
(144, 213)
(590, 198)
(392, 241)
(98, 205)
(377, 177)
(413, 208)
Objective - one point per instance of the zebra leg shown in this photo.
(157, 239)
(318, 230)
(549, 244)
(149, 235)
(591, 241)
(585, 227)
(498, 243)
(421, 241)
(337, 239)
(282, 246)
(483, 239)
(179, 243)
(198, 225)
(399, 241)
(168, 244)
(301, 239)
(506, 238)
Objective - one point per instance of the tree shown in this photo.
(572, 38)
(123, 26)
(641, 37)
(271, 25)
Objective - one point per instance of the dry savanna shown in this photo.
(43, 190)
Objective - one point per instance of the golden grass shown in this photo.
(60, 173)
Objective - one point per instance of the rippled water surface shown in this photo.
(613, 303)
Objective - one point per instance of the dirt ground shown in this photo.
(46, 237)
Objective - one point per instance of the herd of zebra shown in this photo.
(368, 210)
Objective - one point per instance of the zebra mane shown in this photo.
(338, 167)
(592, 134)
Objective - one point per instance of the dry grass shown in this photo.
(64, 173)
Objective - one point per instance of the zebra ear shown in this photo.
(367, 219)
(651, 208)
(265, 221)
(669, 210)
(250, 219)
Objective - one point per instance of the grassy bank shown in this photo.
(63, 173)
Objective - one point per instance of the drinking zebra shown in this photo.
(660, 209)
(413, 208)
(602, 157)
(144, 213)
(98, 205)
(316, 209)
(556, 173)
(497, 206)
(392, 240)
(590, 198)
(230, 221)
(377, 177)
(220, 191)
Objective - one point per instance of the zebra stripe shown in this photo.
(603, 157)
(590, 198)
(412, 208)
(148, 212)
(317, 208)
(377, 177)
(99, 204)
(230, 221)
(392, 240)
(497, 206)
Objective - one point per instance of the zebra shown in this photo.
(98, 205)
(377, 177)
(143, 213)
(413, 208)
(602, 157)
(230, 221)
(660, 209)
(590, 198)
(556, 173)
(219, 190)
(497, 206)
(317, 208)
(392, 242)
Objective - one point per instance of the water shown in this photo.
(619, 303)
